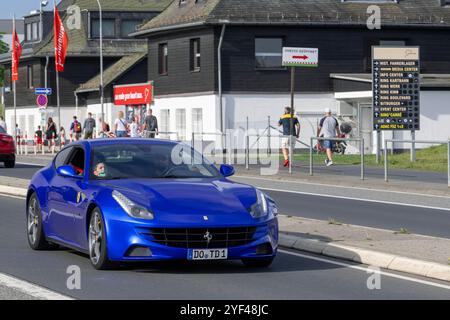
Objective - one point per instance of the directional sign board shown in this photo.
(46, 91)
(396, 88)
(300, 57)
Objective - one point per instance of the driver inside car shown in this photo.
(99, 170)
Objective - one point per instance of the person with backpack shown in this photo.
(328, 128)
(76, 129)
(120, 126)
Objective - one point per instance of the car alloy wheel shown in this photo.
(97, 242)
(35, 231)
(95, 237)
(33, 221)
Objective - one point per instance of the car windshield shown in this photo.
(148, 161)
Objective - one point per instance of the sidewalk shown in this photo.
(430, 183)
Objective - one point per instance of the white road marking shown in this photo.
(351, 266)
(11, 196)
(345, 187)
(31, 289)
(357, 199)
(31, 164)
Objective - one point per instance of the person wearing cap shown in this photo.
(328, 128)
(288, 141)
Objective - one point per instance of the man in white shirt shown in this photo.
(328, 128)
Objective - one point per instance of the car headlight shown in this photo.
(131, 208)
(261, 207)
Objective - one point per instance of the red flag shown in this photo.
(16, 53)
(61, 42)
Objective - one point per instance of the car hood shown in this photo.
(181, 199)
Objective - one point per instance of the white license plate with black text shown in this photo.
(207, 254)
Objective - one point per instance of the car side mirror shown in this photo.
(68, 172)
(226, 170)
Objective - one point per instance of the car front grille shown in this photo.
(196, 238)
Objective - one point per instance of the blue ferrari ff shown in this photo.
(121, 200)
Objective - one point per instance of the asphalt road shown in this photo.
(290, 277)
(417, 220)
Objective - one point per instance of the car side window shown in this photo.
(61, 157)
(77, 160)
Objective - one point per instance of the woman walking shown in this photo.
(50, 133)
(120, 126)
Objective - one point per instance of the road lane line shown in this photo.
(365, 269)
(356, 199)
(343, 187)
(30, 288)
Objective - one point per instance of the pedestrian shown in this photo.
(288, 141)
(134, 128)
(328, 128)
(151, 124)
(39, 135)
(120, 126)
(3, 123)
(89, 126)
(50, 132)
(75, 129)
(18, 134)
(62, 137)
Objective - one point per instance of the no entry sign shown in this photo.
(137, 94)
(300, 57)
(42, 100)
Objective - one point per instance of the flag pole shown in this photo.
(14, 87)
(57, 101)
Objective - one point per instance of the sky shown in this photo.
(20, 7)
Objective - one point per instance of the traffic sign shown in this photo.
(396, 88)
(42, 100)
(46, 91)
(300, 57)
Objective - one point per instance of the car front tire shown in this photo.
(98, 252)
(258, 263)
(35, 231)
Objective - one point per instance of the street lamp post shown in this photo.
(41, 24)
(101, 61)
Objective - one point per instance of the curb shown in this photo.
(369, 257)
(13, 191)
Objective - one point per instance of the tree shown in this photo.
(3, 49)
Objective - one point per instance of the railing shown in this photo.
(386, 163)
(361, 150)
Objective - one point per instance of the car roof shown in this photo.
(112, 141)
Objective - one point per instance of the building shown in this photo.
(79, 84)
(216, 62)
(6, 26)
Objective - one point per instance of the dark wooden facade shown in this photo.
(341, 50)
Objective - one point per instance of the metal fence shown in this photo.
(413, 142)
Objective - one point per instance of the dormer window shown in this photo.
(108, 26)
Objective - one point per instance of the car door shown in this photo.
(66, 199)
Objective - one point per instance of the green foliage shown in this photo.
(3, 49)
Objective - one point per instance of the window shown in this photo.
(268, 53)
(128, 26)
(195, 54)
(163, 54)
(197, 120)
(35, 30)
(61, 157)
(30, 81)
(77, 160)
(180, 118)
(108, 26)
(165, 122)
(28, 32)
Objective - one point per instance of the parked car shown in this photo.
(120, 200)
(7, 149)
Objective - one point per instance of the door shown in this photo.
(66, 199)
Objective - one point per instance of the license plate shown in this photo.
(207, 254)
